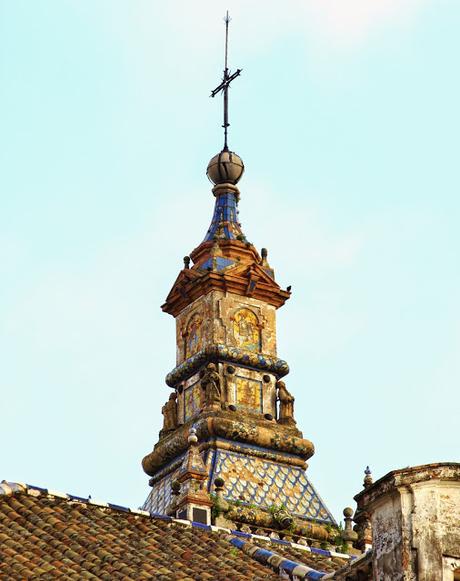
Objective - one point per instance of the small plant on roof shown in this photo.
(276, 508)
(214, 509)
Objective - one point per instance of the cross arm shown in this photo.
(226, 82)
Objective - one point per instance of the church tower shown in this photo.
(230, 414)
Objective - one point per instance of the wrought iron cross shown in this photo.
(225, 84)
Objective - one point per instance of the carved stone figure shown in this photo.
(169, 411)
(210, 383)
(286, 407)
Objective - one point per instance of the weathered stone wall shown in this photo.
(229, 319)
(415, 517)
(248, 389)
(391, 549)
(451, 569)
(435, 527)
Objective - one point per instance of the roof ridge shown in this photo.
(278, 562)
(10, 488)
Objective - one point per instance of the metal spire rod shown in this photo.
(226, 20)
(225, 84)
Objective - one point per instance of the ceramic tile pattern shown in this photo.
(224, 222)
(218, 263)
(246, 330)
(264, 483)
(160, 496)
(282, 560)
(251, 480)
(194, 339)
(319, 559)
(248, 394)
(192, 400)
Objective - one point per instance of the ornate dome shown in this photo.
(225, 167)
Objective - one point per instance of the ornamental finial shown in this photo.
(192, 438)
(368, 480)
(226, 167)
(225, 84)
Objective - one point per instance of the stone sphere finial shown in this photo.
(225, 168)
(192, 438)
(219, 483)
(349, 535)
(347, 512)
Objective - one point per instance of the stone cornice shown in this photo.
(220, 352)
(445, 471)
(181, 297)
(248, 278)
(274, 437)
(232, 446)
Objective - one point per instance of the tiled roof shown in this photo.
(48, 535)
(288, 484)
(225, 219)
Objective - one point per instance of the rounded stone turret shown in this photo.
(225, 168)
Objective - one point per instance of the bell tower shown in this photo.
(227, 382)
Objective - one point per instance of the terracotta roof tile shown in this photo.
(60, 536)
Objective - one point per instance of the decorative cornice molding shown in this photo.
(188, 288)
(221, 352)
(227, 425)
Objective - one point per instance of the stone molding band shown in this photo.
(219, 352)
(282, 440)
(231, 446)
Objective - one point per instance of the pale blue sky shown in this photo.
(347, 118)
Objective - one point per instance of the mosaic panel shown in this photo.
(192, 400)
(246, 330)
(194, 336)
(248, 393)
(254, 480)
